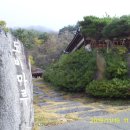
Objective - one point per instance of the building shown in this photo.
(37, 72)
(80, 41)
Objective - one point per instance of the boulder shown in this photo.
(16, 91)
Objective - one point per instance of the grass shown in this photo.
(112, 106)
(36, 128)
(47, 118)
(43, 117)
(37, 79)
(72, 117)
(36, 99)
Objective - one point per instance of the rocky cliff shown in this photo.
(16, 94)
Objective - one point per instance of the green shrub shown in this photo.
(116, 63)
(121, 50)
(116, 68)
(109, 88)
(72, 72)
(75, 71)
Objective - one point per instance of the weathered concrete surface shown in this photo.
(123, 124)
(16, 102)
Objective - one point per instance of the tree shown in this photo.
(118, 28)
(30, 38)
(44, 36)
(3, 26)
(69, 28)
(92, 26)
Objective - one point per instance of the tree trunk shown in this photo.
(101, 65)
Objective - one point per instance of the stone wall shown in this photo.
(16, 93)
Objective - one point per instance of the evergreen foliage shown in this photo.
(77, 71)
(72, 72)
(107, 27)
(115, 88)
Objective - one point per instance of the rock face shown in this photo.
(16, 93)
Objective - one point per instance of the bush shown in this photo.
(75, 71)
(72, 72)
(116, 63)
(114, 88)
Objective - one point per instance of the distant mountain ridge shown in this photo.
(37, 28)
(40, 28)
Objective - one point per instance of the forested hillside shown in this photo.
(44, 48)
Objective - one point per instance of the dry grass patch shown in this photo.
(37, 79)
(36, 99)
(36, 128)
(72, 117)
(48, 118)
(43, 117)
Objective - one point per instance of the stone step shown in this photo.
(73, 110)
(66, 104)
(93, 113)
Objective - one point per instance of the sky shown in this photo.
(55, 14)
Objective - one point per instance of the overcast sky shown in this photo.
(55, 14)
